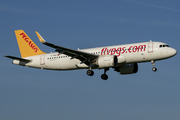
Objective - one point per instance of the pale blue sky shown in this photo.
(34, 94)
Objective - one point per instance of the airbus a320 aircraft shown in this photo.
(122, 58)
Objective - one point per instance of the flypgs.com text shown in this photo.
(122, 50)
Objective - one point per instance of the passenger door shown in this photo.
(150, 47)
(42, 60)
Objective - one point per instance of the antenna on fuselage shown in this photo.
(150, 40)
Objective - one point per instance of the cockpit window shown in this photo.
(164, 46)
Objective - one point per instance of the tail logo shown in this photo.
(34, 47)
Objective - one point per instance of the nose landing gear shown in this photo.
(153, 64)
(154, 69)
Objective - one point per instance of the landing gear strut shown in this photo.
(104, 76)
(153, 64)
(90, 72)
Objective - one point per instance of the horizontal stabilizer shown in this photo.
(16, 58)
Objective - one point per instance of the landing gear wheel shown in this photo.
(90, 72)
(154, 69)
(104, 76)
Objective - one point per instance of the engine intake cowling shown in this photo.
(127, 69)
(107, 61)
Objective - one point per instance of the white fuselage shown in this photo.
(126, 54)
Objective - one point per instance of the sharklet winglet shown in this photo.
(41, 39)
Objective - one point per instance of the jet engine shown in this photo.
(107, 61)
(127, 69)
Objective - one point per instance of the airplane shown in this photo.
(122, 58)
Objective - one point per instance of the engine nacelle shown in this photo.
(107, 61)
(128, 69)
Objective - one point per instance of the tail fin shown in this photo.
(26, 46)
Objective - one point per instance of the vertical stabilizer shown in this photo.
(26, 46)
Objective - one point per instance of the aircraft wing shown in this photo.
(84, 57)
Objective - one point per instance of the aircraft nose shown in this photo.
(173, 52)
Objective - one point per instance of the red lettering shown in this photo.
(130, 49)
(35, 49)
(118, 51)
(23, 35)
(134, 48)
(113, 51)
(30, 42)
(105, 51)
(123, 50)
(26, 39)
(141, 47)
(102, 51)
(108, 51)
(32, 45)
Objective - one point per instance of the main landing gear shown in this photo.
(90, 72)
(153, 64)
(103, 76)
